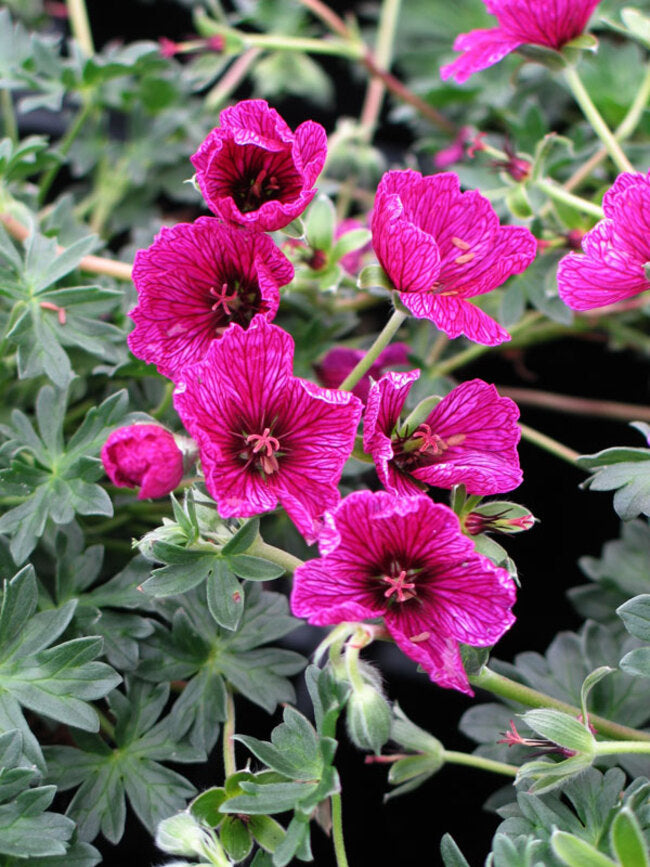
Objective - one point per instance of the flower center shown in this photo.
(399, 589)
(254, 192)
(423, 441)
(263, 448)
(229, 302)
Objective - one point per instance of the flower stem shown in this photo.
(78, 15)
(9, 116)
(89, 264)
(335, 23)
(615, 748)
(576, 405)
(477, 350)
(383, 55)
(559, 194)
(337, 831)
(275, 555)
(105, 725)
(550, 445)
(385, 336)
(165, 401)
(625, 129)
(64, 146)
(595, 119)
(484, 764)
(510, 689)
(233, 76)
(229, 761)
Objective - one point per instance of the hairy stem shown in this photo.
(576, 405)
(484, 764)
(385, 336)
(616, 748)
(233, 76)
(507, 688)
(275, 555)
(328, 16)
(559, 194)
(89, 264)
(80, 26)
(550, 445)
(478, 349)
(9, 116)
(595, 119)
(337, 831)
(623, 131)
(383, 55)
(64, 146)
(229, 762)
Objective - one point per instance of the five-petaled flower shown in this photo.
(405, 559)
(549, 23)
(263, 434)
(338, 362)
(440, 247)
(616, 264)
(470, 437)
(254, 171)
(144, 455)
(194, 280)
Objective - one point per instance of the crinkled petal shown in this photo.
(386, 400)
(310, 150)
(257, 117)
(623, 182)
(632, 223)
(409, 255)
(482, 48)
(455, 316)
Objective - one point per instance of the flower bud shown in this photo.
(368, 718)
(144, 455)
(498, 517)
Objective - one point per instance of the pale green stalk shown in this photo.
(383, 56)
(507, 688)
(594, 117)
(389, 330)
(480, 762)
(275, 555)
(337, 831)
(78, 15)
(9, 116)
(229, 762)
(559, 194)
(550, 445)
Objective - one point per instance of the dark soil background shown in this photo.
(407, 831)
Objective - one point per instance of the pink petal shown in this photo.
(482, 48)
(311, 148)
(323, 599)
(455, 316)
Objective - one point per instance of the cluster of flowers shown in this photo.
(207, 295)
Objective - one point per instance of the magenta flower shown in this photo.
(254, 171)
(194, 280)
(341, 360)
(263, 434)
(616, 263)
(549, 23)
(144, 455)
(440, 247)
(469, 438)
(406, 560)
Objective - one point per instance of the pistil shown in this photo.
(399, 586)
(265, 448)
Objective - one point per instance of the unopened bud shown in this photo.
(498, 517)
(368, 718)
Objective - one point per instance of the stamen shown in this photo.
(264, 440)
(399, 585)
(458, 242)
(431, 442)
(422, 636)
(466, 257)
(224, 299)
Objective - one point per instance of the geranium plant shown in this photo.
(253, 463)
